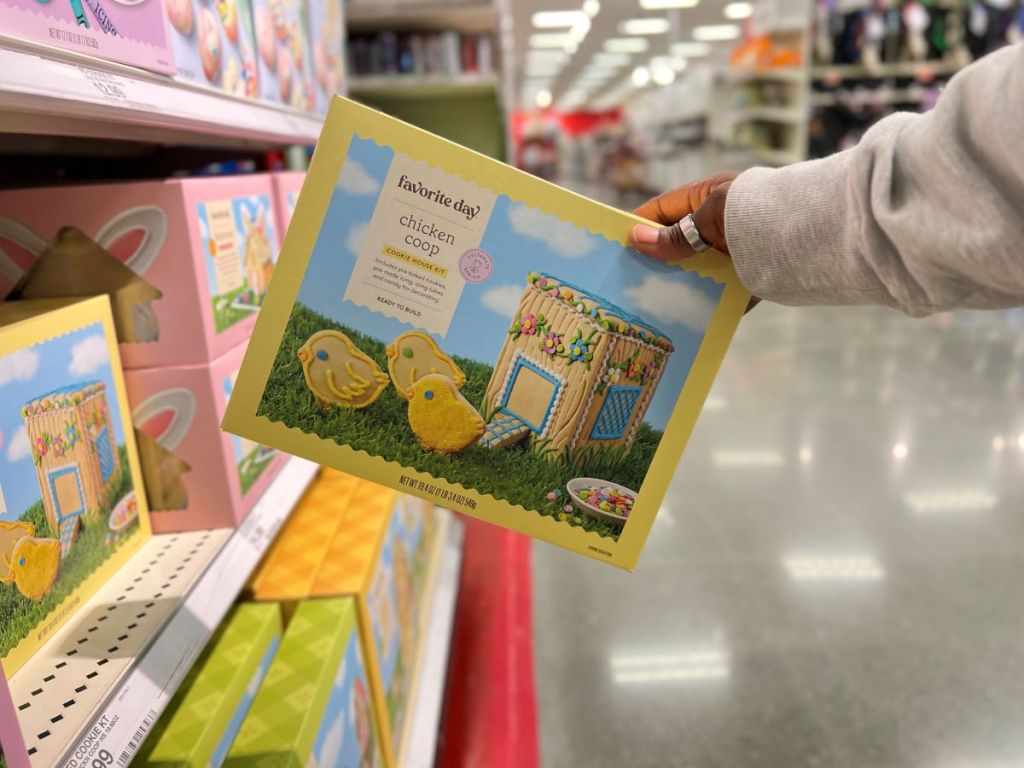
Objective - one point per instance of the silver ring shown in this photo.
(688, 228)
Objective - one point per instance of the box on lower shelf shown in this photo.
(103, 679)
(350, 537)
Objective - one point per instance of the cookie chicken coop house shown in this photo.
(575, 370)
(75, 454)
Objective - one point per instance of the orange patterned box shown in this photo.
(353, 537)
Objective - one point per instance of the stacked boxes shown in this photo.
(284, 56)
(313, 708)
(214, 47)
(187, 264)
(352, 537)
(196, 476)
(71, 507)
(287, 185)
(128, 32)
(200, 724)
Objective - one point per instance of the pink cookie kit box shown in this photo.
(214, 44)
(284, 55)
(287, 185)
(197, 476)
(207, 245)
(326, 33)
(128, 31)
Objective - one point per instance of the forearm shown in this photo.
(925, 213)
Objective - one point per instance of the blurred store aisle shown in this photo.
(834, 579)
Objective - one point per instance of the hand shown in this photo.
(704, 199)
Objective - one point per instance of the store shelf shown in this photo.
(105, 676)
(897, 69)
(870, 96)
(420, 742)
(769, 76)
(784, 115)
(59, 93)
(404, 16)
(777, 156)
(421, 86)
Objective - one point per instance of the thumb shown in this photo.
(664, 243)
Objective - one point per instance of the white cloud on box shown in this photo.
(88, 356)
(18, 366)
(560, 236)
(503, 299)
(356, 235)
(355, 180)
(668, 301)
(330, 751)
(19, 447)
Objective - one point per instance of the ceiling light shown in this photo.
(641, 77)
(605, 59)
(644, 26)
(591, 7)
(549, 40)
(662, 71)
(739, 11)
(570, 47)
(626, 45)
(678, 63)
(553, 19)
(543, 98)
(900, 451)
(542, 69)
(806, 455)
(708, 32)
(998, 443)
(1020, 441)
(661, 5)
(690, 50)
(547, 54)
(747, 459)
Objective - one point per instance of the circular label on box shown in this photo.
(476, 265)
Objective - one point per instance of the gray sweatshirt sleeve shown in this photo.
(925, 214)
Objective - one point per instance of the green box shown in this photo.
(205, 715)
(314, 706)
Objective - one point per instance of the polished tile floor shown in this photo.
(837, 575)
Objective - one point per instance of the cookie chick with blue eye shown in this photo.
(440, 417)
(339, 373)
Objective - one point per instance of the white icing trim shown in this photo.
(553, 408)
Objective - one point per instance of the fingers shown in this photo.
(669, 207)
(664, 243)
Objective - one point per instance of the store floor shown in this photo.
(835, 578)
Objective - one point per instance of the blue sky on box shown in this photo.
(519, 239)
(75, 358)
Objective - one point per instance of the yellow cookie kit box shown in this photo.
(445, 325)
(72, 509)
(352, 537)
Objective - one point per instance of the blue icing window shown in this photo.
(616, 413)
(531, 395)
(321, 354)
(106, 454)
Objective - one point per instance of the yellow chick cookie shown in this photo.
(11, 534)
(441, 417)
(414, 355)
(34, 563)
(339, 373)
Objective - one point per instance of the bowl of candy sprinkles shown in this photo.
(602, 499)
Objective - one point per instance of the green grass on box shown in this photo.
(518, 475)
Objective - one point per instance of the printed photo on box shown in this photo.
(67, 501)
(238, 236)
(214, 44)
(457, 331)
(251, 458)
(285, 61)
